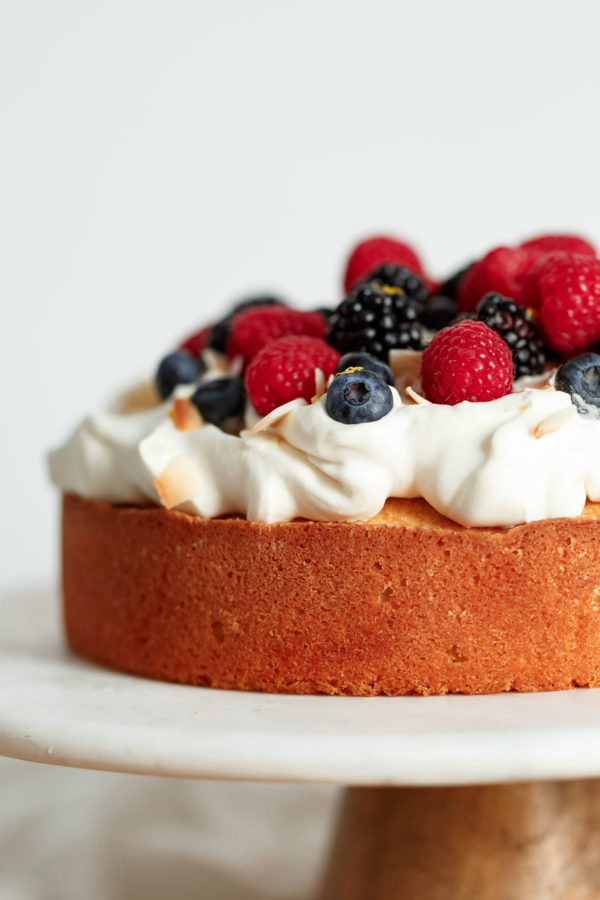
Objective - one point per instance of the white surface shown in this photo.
(158, 159)
(57, 709)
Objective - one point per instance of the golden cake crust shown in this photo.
(407, 603)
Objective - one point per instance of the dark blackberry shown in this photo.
(450, 287)
(375, 318)
(439, 311)
(515, 326)
(220, 330)
(324, 310)
(404, 279)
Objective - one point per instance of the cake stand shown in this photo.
(449, 797)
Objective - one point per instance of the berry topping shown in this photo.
(220, 398)
(439, 311)
(502, 271)
(466, 361)
(374, 252)
(515, 325)
(375, 318)
(197, 342)
(220, 331)
(324, 310)
(285, 369)
(565, 287)
(176, 368)
(365, 361)
(449, 288)
(568, 243)
(358, 396)
(410, 284)
(252, 329)
(580, 377)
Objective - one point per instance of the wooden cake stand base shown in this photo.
(532, 841)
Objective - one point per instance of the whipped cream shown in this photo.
(523, 457)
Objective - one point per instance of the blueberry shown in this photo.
(366, 361)
(580, 377)
(176, 368)
(220, 398)
(357, 397)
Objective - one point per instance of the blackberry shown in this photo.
(400, 277)
(439, 311)
(376, 318)
(450, 287)
(515, 326)
(220, 330)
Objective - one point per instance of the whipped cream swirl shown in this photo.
(523, 457)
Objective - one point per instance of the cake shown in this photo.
(331, 502)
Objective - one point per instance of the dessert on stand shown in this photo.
(394, 496)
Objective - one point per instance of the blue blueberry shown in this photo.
(366, 361)
(357, 397)
(176, 368)
(220, 398)
(580, 377)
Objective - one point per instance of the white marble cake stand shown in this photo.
(436, 837)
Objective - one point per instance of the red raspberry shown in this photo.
(374, 252)
(466, 361)
(568, 243)
(196, 342)
(565, 287)
(502, 271)
(253, 328)
(285, 369)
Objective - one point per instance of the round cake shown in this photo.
(407, 603)
(385, 498)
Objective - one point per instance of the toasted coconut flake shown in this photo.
(417, 398)
(555, 421)
(319, 381)
(405, 363)
(543, 382)
(138, 398)
(178, 482)
(320, 386)
(277, 415)
(185, 415)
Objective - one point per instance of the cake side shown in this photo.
(409, 602)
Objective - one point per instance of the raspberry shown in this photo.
(196, 343)
(466, 361)
(566, 289)
(374, 252)
(568, 243)
(285, 369)
(502, 270)
(252, 329)
(220, 330)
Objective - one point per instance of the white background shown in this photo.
(158, 160)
